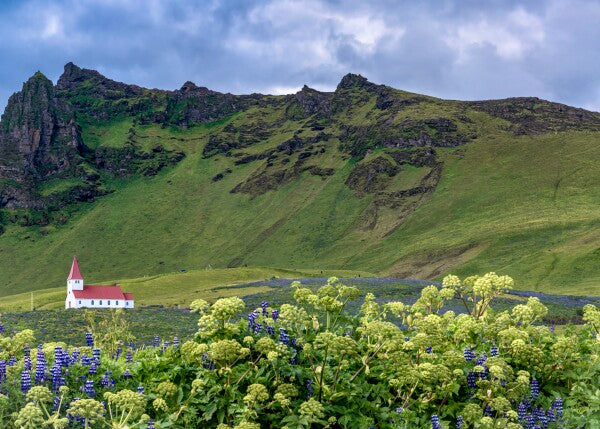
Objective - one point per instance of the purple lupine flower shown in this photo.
(156, 341)
(294, 359)
(557, 404)
(494, 351)
(429, 349)
(529, 422)
(399, 410)
(165, 346)
(175, 342)
(140, 389)
(11, 361)
(481, 360)
(40, 367)
(206, 362)
(264, 306)
(25, 381)
(56, 377)
(283, 336)
(58, 355)
(522, 411)
(1, 327)
(460, 422)
(252, 319)
(270, 330)
(126, 374)
(310, 389)
(257, 328)
(89, 339)
(118, 352)
(468, 354)
(471, 380)
(96, 353)
(2, 370)
(485, 373)
(65, 359)
(551, 328)
(435, 422)
(129, 357)
(27, 363)
(535, 389)
(93, 368)
(106, 380)
(150, 425)
(27, 351)
(85, 360)
(275, 315)
(487, 411)
(88, 388)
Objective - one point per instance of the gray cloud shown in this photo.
(461, 49)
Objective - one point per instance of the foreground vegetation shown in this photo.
(314, 364)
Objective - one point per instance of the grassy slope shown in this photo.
(526, 206)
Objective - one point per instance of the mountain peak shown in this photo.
(350, 80)
(39, 75)
(189, 86)
(70, 68)
(307, 89)
(73, 74)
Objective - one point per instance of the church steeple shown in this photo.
(75, 279)
(75, 274)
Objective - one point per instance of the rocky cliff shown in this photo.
(40, 140)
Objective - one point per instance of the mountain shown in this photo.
(140, 181)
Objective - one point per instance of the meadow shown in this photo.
(176, 288)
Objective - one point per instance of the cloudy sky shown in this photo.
(460, 49)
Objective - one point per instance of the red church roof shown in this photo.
(75, 274)
(128, 296)
(101, 292)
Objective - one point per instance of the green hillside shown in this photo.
(418, 189)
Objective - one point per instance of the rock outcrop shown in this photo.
(39, 139)
(193, 104)
(39, 134)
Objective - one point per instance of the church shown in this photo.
(80, 295)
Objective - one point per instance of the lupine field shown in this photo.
(313, 363)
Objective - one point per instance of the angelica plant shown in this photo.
(312, 363)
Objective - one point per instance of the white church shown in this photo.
(80, 295)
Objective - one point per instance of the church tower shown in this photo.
(75, 279)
